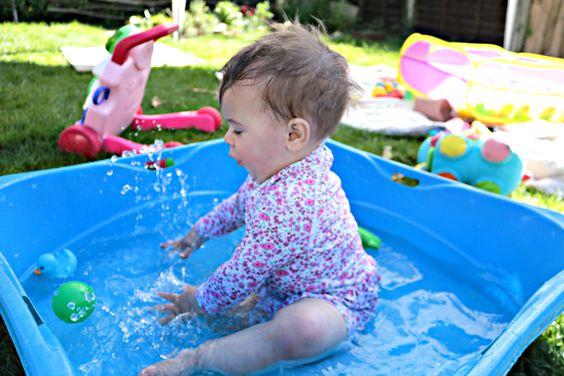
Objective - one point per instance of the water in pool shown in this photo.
(423, 324)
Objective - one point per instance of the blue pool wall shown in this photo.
(517, 248)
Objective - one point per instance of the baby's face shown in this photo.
(257, 141)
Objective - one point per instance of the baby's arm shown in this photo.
(268, 244)
(226, 217)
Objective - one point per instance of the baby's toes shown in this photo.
(170, 367)
(150, 371)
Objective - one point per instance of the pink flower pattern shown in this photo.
(301, 241)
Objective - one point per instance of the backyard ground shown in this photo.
(40, 94)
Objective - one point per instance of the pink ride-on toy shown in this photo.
(115, 99)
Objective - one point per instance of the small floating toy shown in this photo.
(369, 240)
(163, 163)
(56, 265)
(73, 302)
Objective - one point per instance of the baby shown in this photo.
(300, 259)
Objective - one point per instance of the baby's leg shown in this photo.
(305, 329)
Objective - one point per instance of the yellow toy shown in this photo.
(484, 82)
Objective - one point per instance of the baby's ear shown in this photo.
(299, 134)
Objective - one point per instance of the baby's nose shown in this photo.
(228, 138)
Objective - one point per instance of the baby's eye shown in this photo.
(237, 132)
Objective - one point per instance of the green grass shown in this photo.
(40, 95)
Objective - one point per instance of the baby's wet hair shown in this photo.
(299, 75)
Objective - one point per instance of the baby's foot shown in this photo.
(176, 366)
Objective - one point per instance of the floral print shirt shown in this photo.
(300, 240)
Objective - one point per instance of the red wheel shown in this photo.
(172, 144)
(216, 116)
(80, 139)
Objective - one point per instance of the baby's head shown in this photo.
(288, 90)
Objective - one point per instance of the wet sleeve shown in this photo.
(272, 239)
(226, 217)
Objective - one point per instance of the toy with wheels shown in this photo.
(115, 96)
(486, 164)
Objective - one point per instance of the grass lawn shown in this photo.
(40, 95)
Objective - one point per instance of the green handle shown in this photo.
(369, 240)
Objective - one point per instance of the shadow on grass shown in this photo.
(541, 358)
(10, 364)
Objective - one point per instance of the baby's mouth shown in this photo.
(237, 160)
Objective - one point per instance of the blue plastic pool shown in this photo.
(469, 279)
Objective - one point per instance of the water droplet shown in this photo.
(56, 293)
(178, 172)
(183, 192)
(110, 172)
(114, 158)
(89, 297)
(74, 317)
(126, 188)
(71, 306)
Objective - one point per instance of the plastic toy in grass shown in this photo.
(56, 265)
(115, 95)
(73, 302)
(369, 239)
(387, 87)
(163, 163)
(484, 163)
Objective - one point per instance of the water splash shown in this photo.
(126, 188)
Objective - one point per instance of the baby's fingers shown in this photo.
(168, 296)
(166, 320)
(169, 243)
(185, 253)
(166, 308)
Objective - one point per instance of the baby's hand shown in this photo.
(179, 303)
(185, 246)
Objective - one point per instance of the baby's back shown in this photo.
(329, 258)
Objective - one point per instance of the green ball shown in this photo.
(73, 302)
